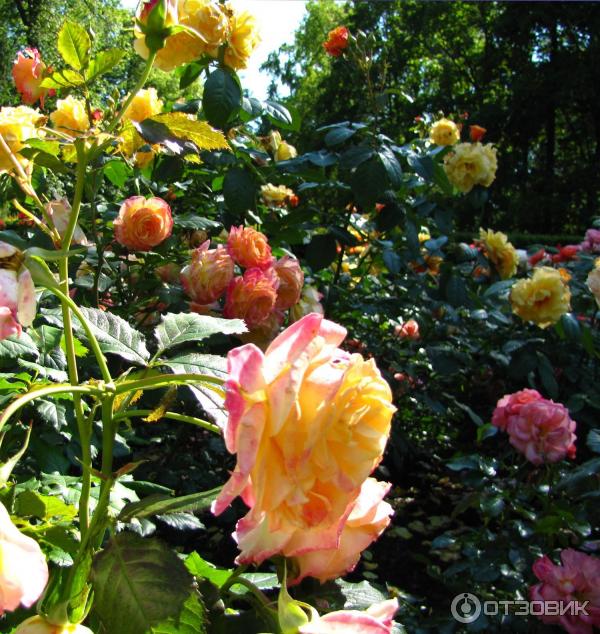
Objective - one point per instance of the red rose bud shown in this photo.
(476, 132)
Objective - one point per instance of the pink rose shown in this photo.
(510, 405)
(143, 223)
(408, 330)
(375, 620)
(249, 248)
(543, 431)
(591, 242)
(28, 73)
(17, 293)
(577, 579)
(208, 275)
(291, 280)
(23, 568)
(252, 297)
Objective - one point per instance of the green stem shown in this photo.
(135, 413)
(140, 84)
(155, 382)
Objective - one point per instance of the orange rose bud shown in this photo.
(476, 132)
(337, 41)
(249, 248)
(208, 275)
(252, 297)
(28, 73)
(291, 281)
(143, 223)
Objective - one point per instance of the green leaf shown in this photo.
(138, 583)
(117, 172)
(239, 190)
(115, 335)
(338, 135)
(103, 62)
(189, 73)
(547, 375)
(191, 620)
(162, 504)
(52, 412)
(222, 97)
(203, 569)
(15, 347)
(45, 507)
(321, 251)
(182, 327)
(74, 44)
(359, 596)
(280, 116)
(54, 374)
(593, 440)
(369, 182)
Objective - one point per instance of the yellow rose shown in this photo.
(145, 104)
(16, 126)
(276, 195)
(285, 152)
(542, 298)
(444, 132)
(471, 164)
(70, 116)
(593, 283)
(500, 252)
(243, 40)
(210, 20)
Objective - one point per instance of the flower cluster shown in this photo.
(309, 423)
(204, 26)
(577, 578)
(539, 428)
(500, 252)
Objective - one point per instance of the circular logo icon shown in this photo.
(465, 607)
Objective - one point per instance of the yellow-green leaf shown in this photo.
(74, 44)
(199, 133)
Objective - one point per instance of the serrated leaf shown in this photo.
(191, 620)
(186, 128)
(180, 328)
(54, 374)
(52, 412)
(15, 347)
(162, 504)
(103, 62)
(74, 44)
(138, 583)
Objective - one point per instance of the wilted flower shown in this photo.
(337, 41)
(377, 619)
(252, 297)
(38, 625)
(576, 579)
(291, 280)
(500, 251)
(476, 133)
(23, 568)
(60, 213)
(208, 275)
(17, 293)
(471, 164)
(144, 105)
(70, 116)
(16, 126)
(309, 423)
(143, 223)
(249, 248)
(542, 299)
(28, 73)
(444, 132)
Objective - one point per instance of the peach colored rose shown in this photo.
(252, 297)
(60, 212)
(510, 405)
(23, 568)
(291, 280)
(309, 423)
(208, 275)
(408, 330)
(337, 41)
(28, 73)
(17, 293)
(378, 619)
(576, 579)
(143, 223)
(38, 625)
(249, 248)
(543, 431)
(369, 517)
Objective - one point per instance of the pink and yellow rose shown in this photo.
(208, 275)
(377, 619)
(143, 223)
(28, 73)
(39, 625)
(252, 297)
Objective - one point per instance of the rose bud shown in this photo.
(143, 223)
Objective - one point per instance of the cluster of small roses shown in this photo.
(468, 164)
(309, 423)
(539, 428)
(260, 295)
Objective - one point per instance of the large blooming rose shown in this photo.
(471, 164)
(577, 579)
(378, 619)
(144, 105)
(38, 625)
(309, 423)
(500, 251)
(23, 568)
(249, 248)
(510, 405)
(17, 293)
(208, 275)
(243, 39)
(252, 297)
(16, 126)
(28, 73)
(70, 116)
(444, 132)
(143, 223)
(543, 298)
(291, 280)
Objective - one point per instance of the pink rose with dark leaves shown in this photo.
(591, 242)
(510, 405)
(378, 619)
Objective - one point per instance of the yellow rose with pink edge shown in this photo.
(309, 422)
(500, 252)
(70, 116)
(208, 275)
(444, 132)
(471, 164)
(543, 298)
